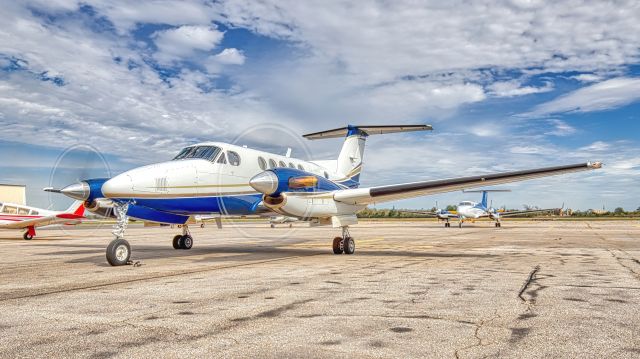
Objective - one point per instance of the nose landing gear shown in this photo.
(119, 250)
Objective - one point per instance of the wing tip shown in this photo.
(594, 165)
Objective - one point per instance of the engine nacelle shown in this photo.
(275, 181)
(101, 207)
(306, 206)
(87, 190)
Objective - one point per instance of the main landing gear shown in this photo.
(119, 250)
(447, 224)
(498, 224)
(344, 244)
(29, 234)
(184, 240)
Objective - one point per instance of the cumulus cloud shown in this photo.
(601, 96)
(183, 41)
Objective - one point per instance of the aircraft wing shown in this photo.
(415, 189)
(44, 221)
(529, 211)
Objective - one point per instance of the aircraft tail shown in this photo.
(485, 195)
(349, 163)
(76, 208)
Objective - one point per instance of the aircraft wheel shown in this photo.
(349, 245)
(118, 252)
(290, 225)
(202, 225)
(459, 224)
(186, 242)
(273, 226)
(27, 236)
(338, 245)
(176, 241)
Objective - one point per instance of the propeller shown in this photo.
(77, 163)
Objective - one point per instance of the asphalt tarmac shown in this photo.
(412, 289)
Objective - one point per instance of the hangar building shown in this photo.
(12, 193)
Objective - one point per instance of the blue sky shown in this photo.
(507, 85)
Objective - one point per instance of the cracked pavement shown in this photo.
(413, 289)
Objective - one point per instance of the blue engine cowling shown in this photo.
(275, 181)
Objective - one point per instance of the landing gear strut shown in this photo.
(119, 250)
(183, 241)
(447, 224)
(344, 244)
(498, 224)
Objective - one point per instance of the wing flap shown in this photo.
(416, 189)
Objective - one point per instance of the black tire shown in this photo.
(273, 226)
(186, 242)
(460, 225)
(349, 245)
(338, 245)
(27, 236)
(202, 225)
(176, 241)
(118, 252)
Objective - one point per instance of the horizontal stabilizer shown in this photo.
(365, 130)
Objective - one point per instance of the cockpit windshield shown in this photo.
(205, 152)
(465, 203)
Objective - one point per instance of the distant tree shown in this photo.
(451, 208)
(618, 210)
(638, 209)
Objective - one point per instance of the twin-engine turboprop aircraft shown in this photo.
(473, 210)
(216, 177)
(15, 216)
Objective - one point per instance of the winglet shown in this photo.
(365, 131)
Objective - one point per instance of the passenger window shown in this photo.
(282, 164)
(262, 163)
(234, 158)
(272, 164)
(34, 213)
(326, 175)
(300, 168)
(23, 211)
(222, 159)
(10, 210)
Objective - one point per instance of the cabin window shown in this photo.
(326, 175)
(234, 158)
(292, 165)
(300, 168)
(262, 163)
(10, 210)
(282, 164)
(24, 211)
(272, 164)
(222, 159)
(34, 213)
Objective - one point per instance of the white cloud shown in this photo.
(182, 42)
(230, 56)
(596, 146)
(604, 95)
(560, 128)
(587, 77)
(513, 88)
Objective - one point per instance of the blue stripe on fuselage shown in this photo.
(234, 205)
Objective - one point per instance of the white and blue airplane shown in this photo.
(474, 210)
(221, 178)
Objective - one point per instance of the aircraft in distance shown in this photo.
(221, 178)
(473, 210)
(273, 220)
(15, 216)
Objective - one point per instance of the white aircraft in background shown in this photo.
(273, 220)
(221, 178)
(15, 216)
(473, 210)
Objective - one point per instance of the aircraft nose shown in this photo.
(118, 187)
(265, 182)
